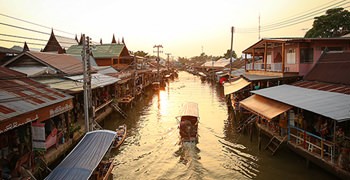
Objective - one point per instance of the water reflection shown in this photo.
(163, 102)
(187, 152)
(151, 149)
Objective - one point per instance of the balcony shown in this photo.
(273, 67)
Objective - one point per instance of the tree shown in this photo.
(227, 55)
(335, 23)
(183, 60)
(141, 53)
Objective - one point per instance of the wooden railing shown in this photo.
(273, 67)
(318, 146)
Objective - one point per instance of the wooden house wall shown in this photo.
(104, 61)
(25, 61)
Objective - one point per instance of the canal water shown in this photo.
(151, 149)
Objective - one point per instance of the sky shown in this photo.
(185, 28)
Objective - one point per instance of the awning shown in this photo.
(85, 157)
(264, 107)
(235, 86)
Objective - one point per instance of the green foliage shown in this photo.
(335, 23)
(141, 53)
(227, 55)
(183, 60)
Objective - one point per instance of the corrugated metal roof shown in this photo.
(34, 71)
(91, 58)
(66, 85)
(253, 77)
(75, 83)
(238, 72)
(97, 79)
(85, 157)
(329, 104)
(19, 94)
(106, 70)
(64, 63)
(332, 67)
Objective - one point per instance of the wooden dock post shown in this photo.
(259, 139)
(251, 132)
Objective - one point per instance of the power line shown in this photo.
(34, 23)
(301, 15)
(22, 42)
(37, 39)
(295, 20)
(23, 28)
(292, 22)
(22, 37)
(315, 12)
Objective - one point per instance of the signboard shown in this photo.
(38, 136)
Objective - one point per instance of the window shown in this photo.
(268, 58)
(291, 56)
(306, 55)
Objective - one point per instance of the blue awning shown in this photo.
(85, 157)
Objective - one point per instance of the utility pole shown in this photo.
(158, 51)
(168, 54)
(259, 27)
(232, 31)
(135, 75)
(87, 83)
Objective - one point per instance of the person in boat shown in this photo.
(120, 133)
(186, 129)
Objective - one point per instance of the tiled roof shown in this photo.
(75, 50)
(100, 51)
(66, 42)
(344, 89)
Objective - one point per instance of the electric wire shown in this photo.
(319, 10)
(294, 20)
(20, 87)
(22, 37)
(302, 17)
(29, 22)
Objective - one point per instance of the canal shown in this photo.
(151, 150)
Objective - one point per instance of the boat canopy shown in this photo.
(85, 157)
(189, 109)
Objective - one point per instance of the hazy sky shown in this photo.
(184, 27)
